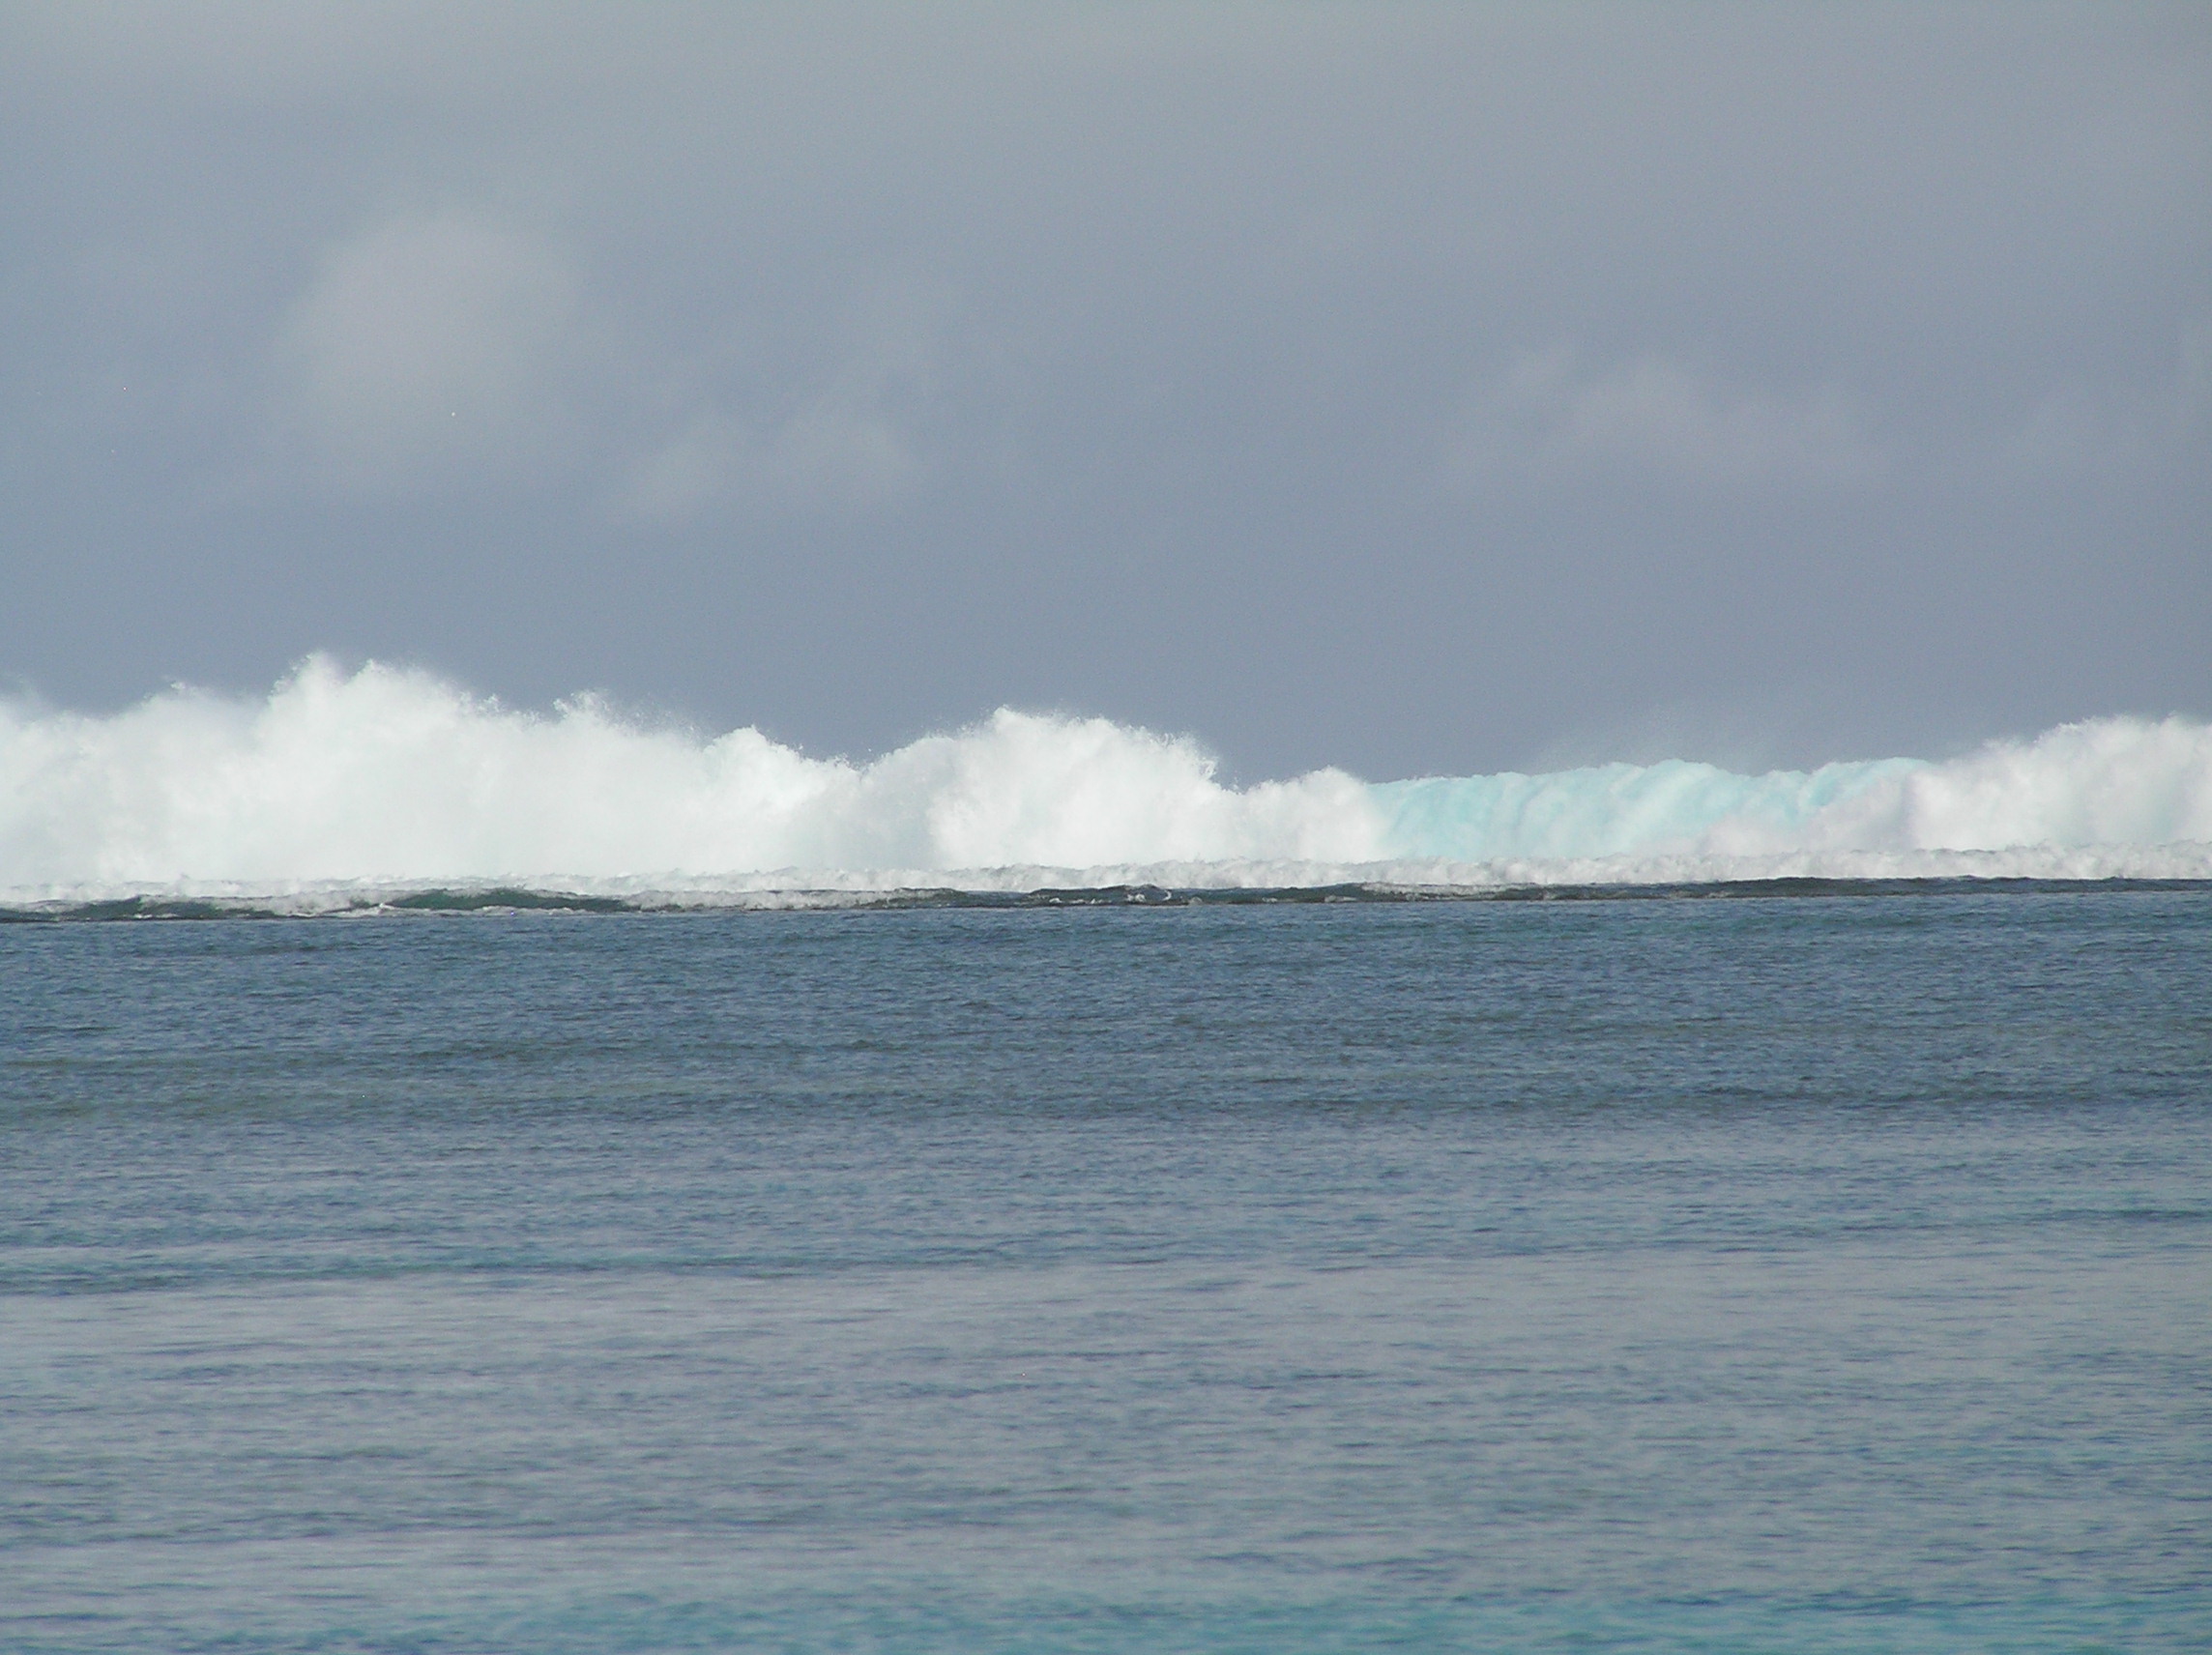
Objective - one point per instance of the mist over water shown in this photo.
(386, 774)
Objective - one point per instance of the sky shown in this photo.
(1414, 388)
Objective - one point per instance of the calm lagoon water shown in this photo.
(1824, 1273)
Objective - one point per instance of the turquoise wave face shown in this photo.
(1611, 810)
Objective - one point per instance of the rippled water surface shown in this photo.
(1830, 1273)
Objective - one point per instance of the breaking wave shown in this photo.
(368, 780)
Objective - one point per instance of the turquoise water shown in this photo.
(1817, 1273)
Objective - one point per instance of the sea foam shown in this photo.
(372, 779)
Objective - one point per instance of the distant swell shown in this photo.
(386, 777)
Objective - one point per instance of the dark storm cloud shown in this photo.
(1407, 387)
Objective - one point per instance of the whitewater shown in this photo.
(339, 783)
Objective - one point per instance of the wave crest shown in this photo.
(388, 775)
(2107, 781)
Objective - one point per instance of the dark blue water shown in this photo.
(1748, 1275)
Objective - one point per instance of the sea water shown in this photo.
(1758, 1272)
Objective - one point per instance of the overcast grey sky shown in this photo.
(1417, 389)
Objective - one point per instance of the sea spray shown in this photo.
(388, 775)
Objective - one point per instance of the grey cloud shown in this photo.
(2082, 427)
(2192, 374)
(1656, 415)
(837, 450)
(426, 345)
(852, 434)
(1401, 386)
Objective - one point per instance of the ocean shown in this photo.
(1786, 1265)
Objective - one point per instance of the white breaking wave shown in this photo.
(383, 776)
